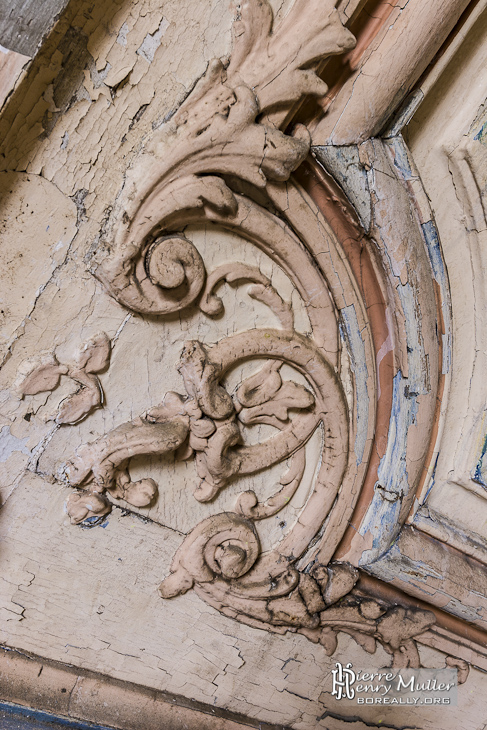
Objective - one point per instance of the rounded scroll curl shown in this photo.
(166, 277)
(224, 545)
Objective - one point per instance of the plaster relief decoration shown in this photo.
(42, 374)
(223, 160)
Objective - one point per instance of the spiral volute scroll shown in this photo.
(223, 545)
(165, 277)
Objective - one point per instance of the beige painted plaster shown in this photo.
(88, 597)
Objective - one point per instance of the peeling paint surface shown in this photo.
(480, 472)
(345, 166)
(9, 444)
(393, 483)
(40, 224)
(431, 571)
(407, 260)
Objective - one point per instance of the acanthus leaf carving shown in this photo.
(218, 557)
(261, 290)
(221, 128)
(278, 63)
(221, 558)
(39, 374)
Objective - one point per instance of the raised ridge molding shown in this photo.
(77, 694)
(379, 78)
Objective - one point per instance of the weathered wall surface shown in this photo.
(111, 74)
(88, 598)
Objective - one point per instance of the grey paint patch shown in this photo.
(122, 35)
(381, 519)
(24, 23)
(9, 444)
(466, 612)
(404, 115)
(418, 380)
(98, 77)
(152, 41)
(433, 246)
(433, 573)
(351, 332)
(440, 527)
(409, 569)
(344, 166)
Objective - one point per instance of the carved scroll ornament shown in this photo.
(224, 158)
(229, 125)
(222, 557)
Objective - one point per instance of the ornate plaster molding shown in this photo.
(42, 373)
(229, 125)
(226, 158)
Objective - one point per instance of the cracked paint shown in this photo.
(351, 332)
(382, 516)
(81, 133)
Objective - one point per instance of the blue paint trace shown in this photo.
(480, 472)
(401, 157)
(432, 479)
(481, 135)
(393, 483)
(94, 521)
(9, 444)
(433, 247)
(381, 520)
(16, 717)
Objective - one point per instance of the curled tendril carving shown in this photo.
(228, 125)
(210, 420)
(221, 558)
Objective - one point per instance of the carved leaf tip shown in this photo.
(175, 584)
(462, 667)
(79, 507)
(43, 372)
(229, 125)
(266, 395)
(93, 355)
(277, 60)
(75, 407)
(138, 494)
(39, 374)
(262, 386)
(400, 625)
